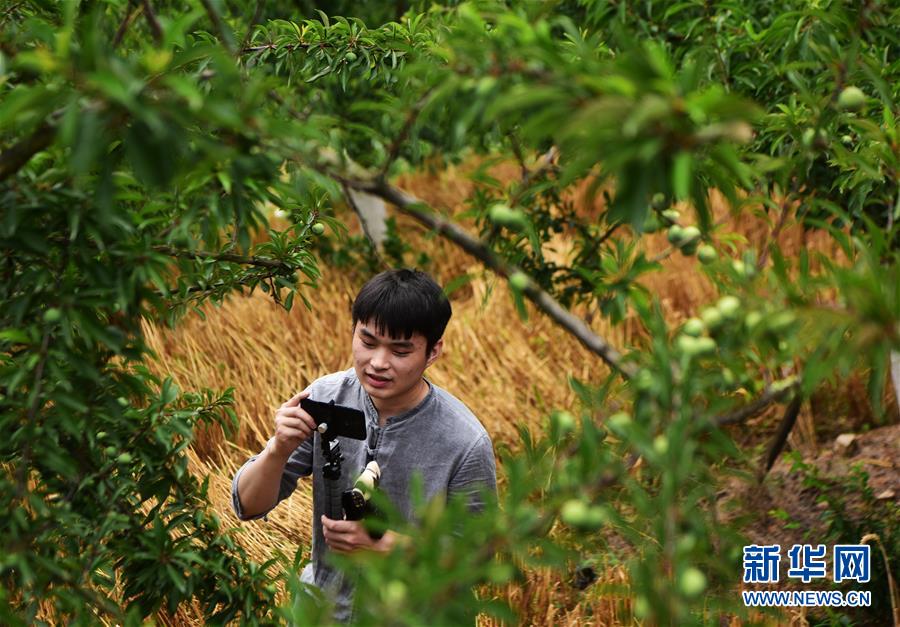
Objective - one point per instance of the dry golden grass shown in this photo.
(509, 372)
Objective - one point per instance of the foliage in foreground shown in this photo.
(144, 144)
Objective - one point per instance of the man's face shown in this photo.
(390, 369)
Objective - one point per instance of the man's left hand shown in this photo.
(348, 536)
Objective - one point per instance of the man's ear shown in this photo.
(435, 352)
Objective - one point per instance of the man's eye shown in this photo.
(369, 344)
(399, 354)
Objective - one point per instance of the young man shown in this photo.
(413, 427)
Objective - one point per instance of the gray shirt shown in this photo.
(439, 439)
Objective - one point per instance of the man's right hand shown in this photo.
(293, 426)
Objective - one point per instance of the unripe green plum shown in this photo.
(752, 320)
(661, 445)
(675, 235)
(695, 346)
(52, 315)
(643, 382)
(565, 421)
(671, 215)
(743, 269)
(350, 56)
(729, 307)
(596, 517)
(619, 422)
(692, 582)
(689, 235)
(125, 458)
(851, 99)
(574, 512)
(781, 321)
(707, 254)
(318, 228)
(693, 327)
(658, 201)
(712, 318)
(519, 281)
(394, 593)
(513, 219)
(651, 224)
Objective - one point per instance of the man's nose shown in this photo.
(379, 360)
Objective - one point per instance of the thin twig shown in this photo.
(544, 301)
(130, 13)
(13, 159)
(517, 151)
(784, 430)
(546, 163)
(411, 117)
(262, 262)
(257, 16)
(772, 394)
(155, 28)
(219, 26)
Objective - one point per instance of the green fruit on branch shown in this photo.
(752, 320)
(350, 56)
(671, 215)
(651, 224)
(574, 512)
(851, 99)
(695, 346)
(619, 422)
(675, 235)
(707, 254)
(781, 321)
(125, 458)
(729, 307)
(658, 201)
(812, 138)
(693, 327)
(52, 315)
(565, 421)
(596, 517)
(661, 445)
(743, 269)
(690, 235)
(318, 228)
(513, 219)
(643, 382)
(712, 318)
(519, 281)
(692, 582)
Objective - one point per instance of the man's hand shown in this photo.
(293, 426)
(347, 536)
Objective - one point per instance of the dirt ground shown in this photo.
(788, 508)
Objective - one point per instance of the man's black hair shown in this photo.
(402, 302)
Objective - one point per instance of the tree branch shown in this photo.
(784, 430)
(772, 394)
(411, 118)
(220, 27)
(546, 303)
(130, 12)
(155, 28)
(14, 158)
(262, 262)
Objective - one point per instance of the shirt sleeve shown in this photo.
(476, 477)
(299, 464)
